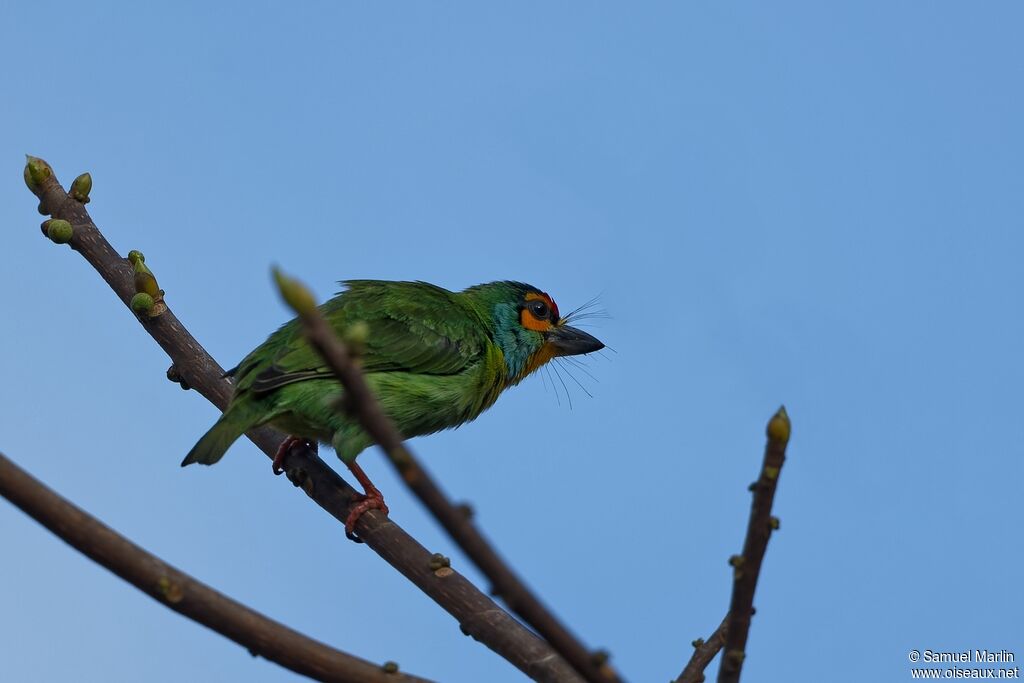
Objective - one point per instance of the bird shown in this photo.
(435, 359)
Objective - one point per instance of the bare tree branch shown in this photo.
(505, 584)
(477, 614)
(703, 652)
(182, 593)
(747, 567)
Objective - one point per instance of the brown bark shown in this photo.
(182, 593)
(747, 567)
(704, 652)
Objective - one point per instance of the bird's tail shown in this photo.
(217, 440)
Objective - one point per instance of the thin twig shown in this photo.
(505, 583)
(477, 614)
(182, 593)
(703, 652)
(747, 567)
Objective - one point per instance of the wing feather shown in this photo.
(413, 327)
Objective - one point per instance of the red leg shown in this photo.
(286, 447)
(372, 500)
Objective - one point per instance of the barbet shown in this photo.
(435, 359)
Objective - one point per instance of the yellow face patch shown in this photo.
(529, 319)
(532, 323)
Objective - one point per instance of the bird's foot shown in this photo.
(285, 449)
(371, 500)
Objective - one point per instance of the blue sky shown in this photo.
(808, 203)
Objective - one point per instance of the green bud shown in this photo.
(599, 657)
(437, 560)
(59, 231)
(81, 188)
(37, 171)
(144, 279)
(779, 426)
(294, 293)
(355, 336)
(172, 592)
(175, 376)
(146, 283)
(142, 303)
(774, 523)
(390, 667)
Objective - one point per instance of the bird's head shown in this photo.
(528, 328)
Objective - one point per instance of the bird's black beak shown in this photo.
(571, 342)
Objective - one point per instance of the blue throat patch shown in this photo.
(515, 342)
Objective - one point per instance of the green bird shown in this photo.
(435, 359)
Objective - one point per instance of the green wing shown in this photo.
(413, 327)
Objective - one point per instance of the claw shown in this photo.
(285, 449)
(371, 500)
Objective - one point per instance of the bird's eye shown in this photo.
(540, 310)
